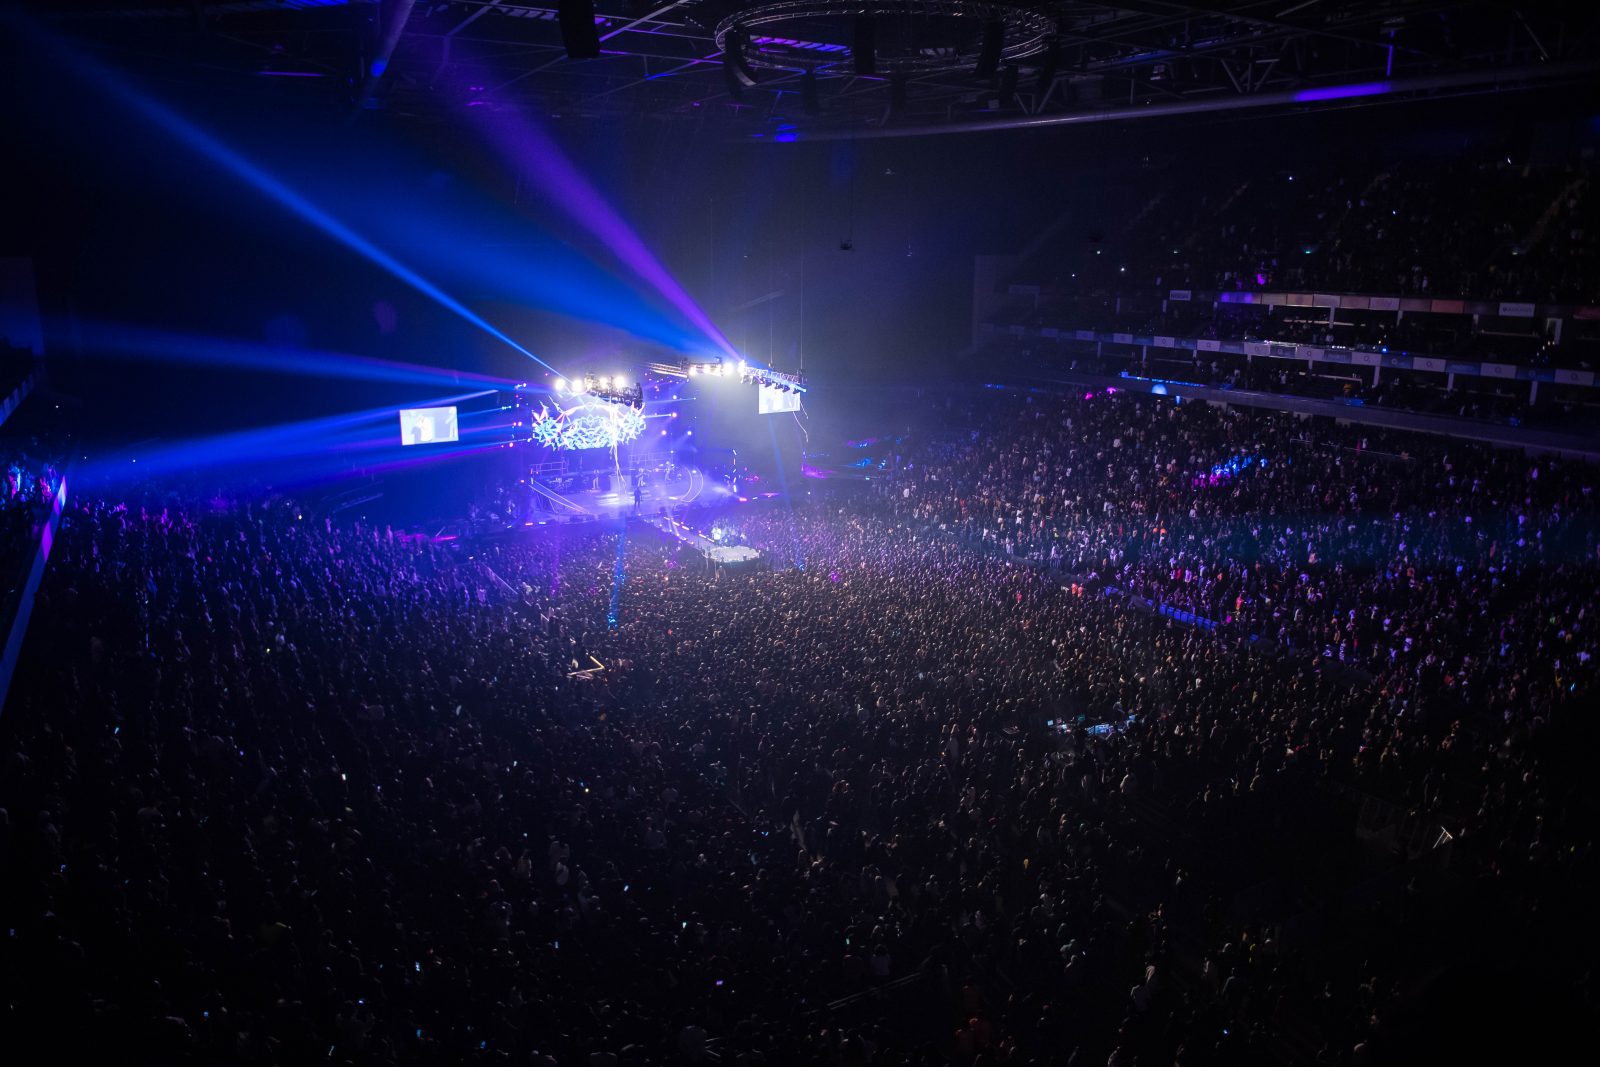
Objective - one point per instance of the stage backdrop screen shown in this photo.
(427, 426)
(772, 401)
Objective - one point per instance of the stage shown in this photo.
(721, 557)
(609, 494)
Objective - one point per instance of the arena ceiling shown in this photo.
(1063, 62)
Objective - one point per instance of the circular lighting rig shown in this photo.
(911, 36)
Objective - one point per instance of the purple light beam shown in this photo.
(530, 149)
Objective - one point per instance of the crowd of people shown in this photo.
(1517, 233)
(27, 488)
(1513, 401)
(1485, 228)
(29, 476)
(1525, 341)
(1089, 730)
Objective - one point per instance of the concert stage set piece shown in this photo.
(731, 558)
(657, 440)
(565, 492)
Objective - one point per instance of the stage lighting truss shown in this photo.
(914, 36)
(786, 383)
(614, 388)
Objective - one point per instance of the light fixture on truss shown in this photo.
(748, 375)
(603, 387)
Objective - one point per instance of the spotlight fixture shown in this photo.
(748, 375)
(613, 390)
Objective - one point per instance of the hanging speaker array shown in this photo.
(736, 68)
(994, 43)
(864, 45)
(578, 32)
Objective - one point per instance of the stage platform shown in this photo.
(609, 495)
(721, 557)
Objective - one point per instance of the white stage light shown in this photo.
(561, 385)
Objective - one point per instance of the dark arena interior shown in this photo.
(887, 533)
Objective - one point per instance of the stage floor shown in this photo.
(735, 557)
(609, 495)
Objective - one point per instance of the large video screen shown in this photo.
(428, 426)
(772, 401)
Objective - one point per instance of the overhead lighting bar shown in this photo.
(748, 375)
(613, 388)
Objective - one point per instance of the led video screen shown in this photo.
(428, 426)
(772, 401)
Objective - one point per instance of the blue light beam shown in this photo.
(273, 188)
(119, 340)
(326, 436)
